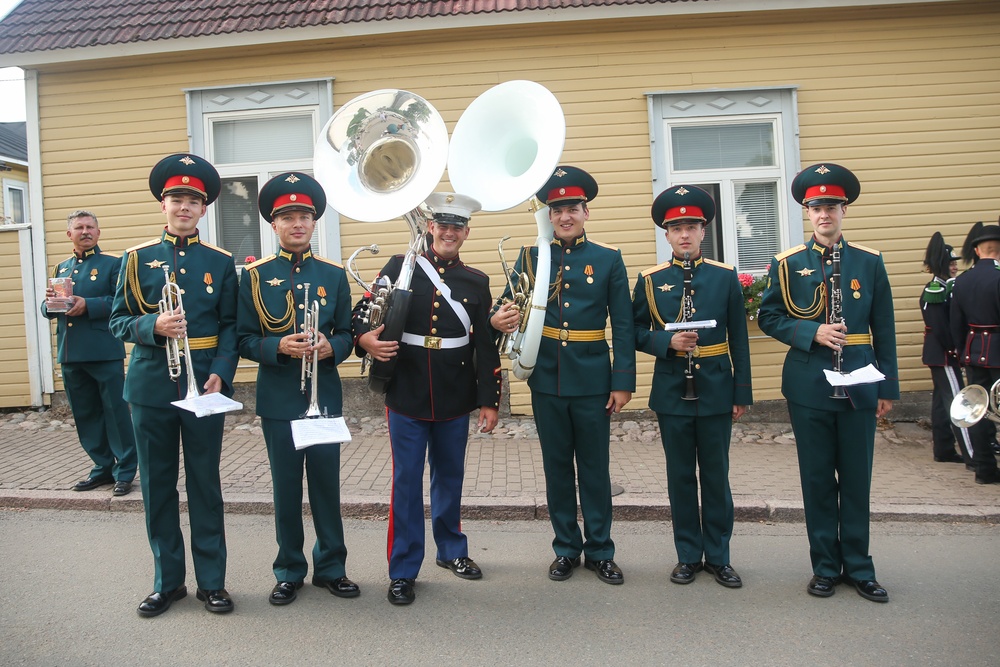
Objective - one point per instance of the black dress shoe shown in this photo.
(949, 458)
(822, 587)
(401, 591)
(684, 572)
(342, 587)
(724, 574)
(157, 603)
(217, 601)
(561, 568)
(988, 479)
(122, 489)
(870, 589)
(463, 567)
(606, 571)
(284, 592)
(93, 482)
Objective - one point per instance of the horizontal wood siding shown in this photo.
(906, 96)
(15, 388)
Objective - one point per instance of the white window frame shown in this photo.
(22, 187)
(774, 105)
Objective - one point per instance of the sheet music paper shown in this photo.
(320, 431)
(690, 326)
(208, 404)
(866, 375)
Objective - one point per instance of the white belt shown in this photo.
(434, 342)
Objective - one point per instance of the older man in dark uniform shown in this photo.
(91, 358)
(701, 380)
(575, 386)
(447, 366)
(272, 306)
(835, 436)
(184, 184)
(975, 328)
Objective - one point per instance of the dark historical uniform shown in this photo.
(946, 373)
(975, 329)
(206, 276)
(835, 437)
(695, 433)
(574, 374)
(272, 305)
(445, 369)
(93, 368)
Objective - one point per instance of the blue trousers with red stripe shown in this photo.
(443, 443)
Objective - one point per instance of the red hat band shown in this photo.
(825, 192)
(678, 213)
(560, 194)
(293, 199)
(184, 182)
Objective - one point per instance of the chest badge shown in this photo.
(665, 287)
(806, 272)
(589, 272)
(274, 282)
(856, 286)
(208, 283)
(155, 264)
(321, 292)
(64, 269)
(93, 274)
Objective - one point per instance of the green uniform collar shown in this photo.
(815, 244)
(295, 257)
(96, 250)
(680, 262)
(180, 241)
(579, 240)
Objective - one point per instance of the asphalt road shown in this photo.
(71, 581)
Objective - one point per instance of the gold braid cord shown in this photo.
(651, 299)
(808, 313)
(555, 287)
(135, 287)
(267, 321)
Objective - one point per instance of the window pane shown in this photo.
(757, 237)
(239, 221)
(16, 212)
(732, 146)
(263, 139)
(711, 245)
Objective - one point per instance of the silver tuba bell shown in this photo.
(378, 158)
(504, 147)
(974, 403)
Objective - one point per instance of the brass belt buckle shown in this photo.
(563, 334)
(432, 342)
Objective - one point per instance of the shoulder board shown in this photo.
(328, 261)
(217, 249)
(865, 248)
(728, 267)
(143, 245)
(790, 252)
(653, 269)
(259, 262)
(603, 245)
(111, 254)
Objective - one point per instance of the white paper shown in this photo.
(319, 431)
(866, 375)
(208, 404)
(690, 326)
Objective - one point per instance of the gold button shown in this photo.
(566, 267)
(182, 291)
(697, 366)
(181, 253)
(564, 343)
(440, 270)
(434, 330)
(829, 262)
(76, 271)
(183, 270)
(565, 324)
(566, 305)
(298, 269)
(302, 306)
(565, 285)
(69, 324)
(298, 287)
(437, 305)
(437, 292)
(434, 318)
(569, 250)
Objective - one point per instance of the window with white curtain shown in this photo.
(739, 146)
(14, 196)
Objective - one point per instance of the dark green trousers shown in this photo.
(576, 428)
(158, 436)
(698, 448)
(835, 465)
(322, 466)
(103, 423)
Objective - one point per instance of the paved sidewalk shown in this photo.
(40, 459)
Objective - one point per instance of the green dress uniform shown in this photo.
(696, 432)
(93, 368)
(206, 276)
(573, 377)
(835, 438)
(272, 305)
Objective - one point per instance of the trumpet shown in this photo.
(310, 362)
(172, 304)
(509, 344)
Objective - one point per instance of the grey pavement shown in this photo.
(40, 459)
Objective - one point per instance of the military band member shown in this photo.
(975, 329)
(92, 359)
(575, 385)
(939, 353)
(447, 366)
(835, 437)
(184, 184)
(695, 416)
(270, 323)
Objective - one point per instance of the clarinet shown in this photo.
(686, 316)
(837, 317)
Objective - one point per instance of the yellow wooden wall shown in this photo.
(906, 96)
(15, 389)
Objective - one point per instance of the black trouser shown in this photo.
(983, 432)
(947, 383)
